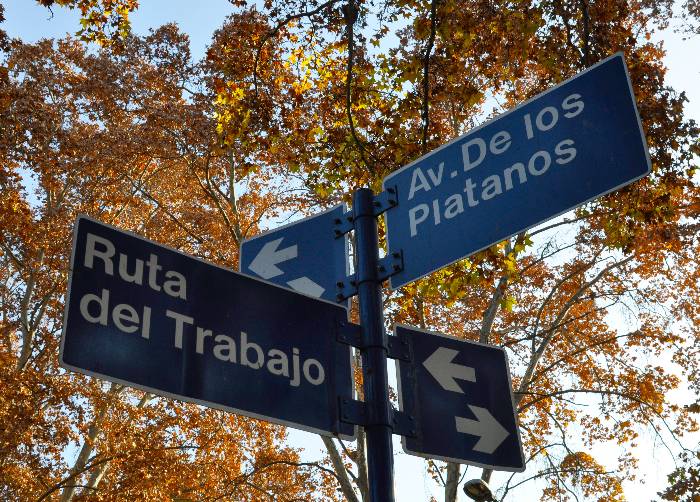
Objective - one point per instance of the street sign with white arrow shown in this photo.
(306, 256)
(459, 395)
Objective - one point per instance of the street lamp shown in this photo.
(478, 489)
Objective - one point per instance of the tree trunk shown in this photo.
(452, 482)
(88, 447)
(339, 468)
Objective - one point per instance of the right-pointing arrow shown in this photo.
(307, 286)
(491, 433)
(265, 262)
(440, 365)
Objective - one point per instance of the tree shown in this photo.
(102, 21)
(129, 138)
(320, 98)
(547, 303)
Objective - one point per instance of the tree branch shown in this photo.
(350, 11)
(426, 76)
(534, 361)
(339, 468)
(81, 462)
(498, 293)
(452, 482)
(274, 31)
(25, 325)
(585, 14)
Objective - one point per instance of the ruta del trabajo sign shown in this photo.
(148, 316)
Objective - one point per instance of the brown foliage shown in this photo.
(128, 138)
(295, 105)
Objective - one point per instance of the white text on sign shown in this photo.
(96, 308)
(477, 150)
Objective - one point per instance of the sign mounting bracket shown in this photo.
(355, 412)
(345, 289)
(390, 265)
(350, 333)
(344, 224)
(382, 202)
(385, 200)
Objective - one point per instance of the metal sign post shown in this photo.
(380, 455)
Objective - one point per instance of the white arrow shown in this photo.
(491, 433)
(306, 286)
(265, 263)
(440, 365)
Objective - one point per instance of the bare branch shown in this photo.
(170, 214)
(25, 326)
(215, 193)
(576, 352)
(350, 11)
(64, 482)
(539, 351)
(233, 203)
(363, 477)
(498, 293)
(339, 468)
(452, 482)
(426, 75)
(82, 461)
(585, 15)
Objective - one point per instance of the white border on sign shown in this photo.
(510, 386)
(386, 180)
(178, 397)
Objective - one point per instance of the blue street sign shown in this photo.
(305, 256)
(460, 396)
(147, 316)
(569, 145)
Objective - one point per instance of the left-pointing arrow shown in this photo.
(267, 259)
(491, 433)
(445, 372)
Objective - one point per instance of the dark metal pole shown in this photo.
(380, 455)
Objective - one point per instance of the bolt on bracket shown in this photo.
(345, 289)
(390, 265)
(386, 200)
(344, 224)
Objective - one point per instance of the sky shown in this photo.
(30, 22)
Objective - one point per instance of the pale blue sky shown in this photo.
(28, 20)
